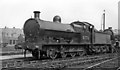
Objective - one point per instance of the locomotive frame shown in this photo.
(54, 39)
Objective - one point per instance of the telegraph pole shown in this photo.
(103, 20)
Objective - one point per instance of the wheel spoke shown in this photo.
(81, 53)
(73, 54)
(64, 55)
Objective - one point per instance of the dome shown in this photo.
(109, 31)
(57, 19)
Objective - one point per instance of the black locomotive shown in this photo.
(52, 39)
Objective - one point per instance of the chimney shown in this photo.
(36, 14)
(110, 28)
(104, 20)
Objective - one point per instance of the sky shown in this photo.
(14, 13)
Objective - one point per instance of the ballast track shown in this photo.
(57, 63)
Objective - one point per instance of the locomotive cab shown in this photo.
(86, 29)
(82, 26)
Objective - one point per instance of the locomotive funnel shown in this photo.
(36, 14)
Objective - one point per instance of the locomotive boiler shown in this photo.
(56, 39)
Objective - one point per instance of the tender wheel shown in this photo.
(81, 53)
(73, 54)
(103, 49)
(98, 49)
(63, 55)
(52, 54)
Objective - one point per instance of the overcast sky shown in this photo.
(13, 13)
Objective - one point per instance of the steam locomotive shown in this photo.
(54, 39)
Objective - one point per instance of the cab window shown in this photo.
(78, 28)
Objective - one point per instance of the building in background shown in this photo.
(0, 37)
(10, 36)
(21, 38)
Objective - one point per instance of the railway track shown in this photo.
(59, 63)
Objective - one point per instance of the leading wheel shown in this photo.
(36, 54)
